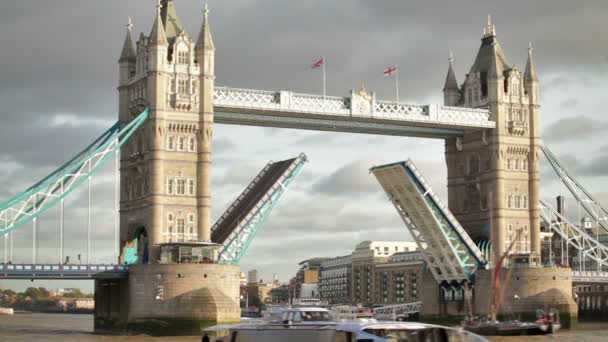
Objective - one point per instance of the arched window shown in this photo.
(510, 201)
(525, 165)
(509, 166)
(516, 164)
(180, 143)
(170, 143)
(524, 200)
(191, 145)
(170, 186)
(517, 202)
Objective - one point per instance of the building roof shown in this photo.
(490, 52)
(171, 22)
(313, 260)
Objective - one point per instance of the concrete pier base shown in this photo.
(168, 299)
(522, 292)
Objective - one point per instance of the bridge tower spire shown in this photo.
(451, 91)
(205, 54)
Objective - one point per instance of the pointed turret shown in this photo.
(451, 91)
(171, 22)
(205, 40)
(128, 50)
(158, 36)
(205, 55)
(530, 73)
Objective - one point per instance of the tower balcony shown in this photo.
(185, 102)
(517, 127)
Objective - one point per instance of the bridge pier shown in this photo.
(168, 299)
(592, 302)
(525, 290)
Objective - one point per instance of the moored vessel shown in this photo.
(7, 311)
(359, 330)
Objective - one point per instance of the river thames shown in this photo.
(72, 327)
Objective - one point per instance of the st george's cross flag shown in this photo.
(390, 71)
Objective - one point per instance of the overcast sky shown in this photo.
(58, 78)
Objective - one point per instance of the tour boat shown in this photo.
(349, 313)
(368, 330)
(7, 311)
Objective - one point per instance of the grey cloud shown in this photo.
(351, 179)
(573, 128)
(570, 103)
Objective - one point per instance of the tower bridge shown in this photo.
(180, 266)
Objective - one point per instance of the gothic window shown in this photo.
(524, 200)
(190, 187)
(170, 217)
(180, 229)
(182, 86)
(517, 202)
(170, 143)
(191, 145)
(476, 93)
(509, 166)
(190, 218)
(510, 201)
(170, 186)
(525, 165)
(516, 164)
(182, 57)
(180, 143)
(470, 92)
(181, 186)
(473, 165)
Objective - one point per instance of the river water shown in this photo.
(72, 327)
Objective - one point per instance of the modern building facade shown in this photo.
(399, 280)
(335, 280)
(365, 258)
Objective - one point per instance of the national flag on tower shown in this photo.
(390, 71)
(394, 70)
(318, 63)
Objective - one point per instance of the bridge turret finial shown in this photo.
(490, 29)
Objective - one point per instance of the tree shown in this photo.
(33, 293)
(9, 292)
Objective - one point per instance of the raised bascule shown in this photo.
(175, 268)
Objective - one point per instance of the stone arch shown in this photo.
(140, 235)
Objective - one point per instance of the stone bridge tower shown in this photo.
(165, 168)
(493, 176)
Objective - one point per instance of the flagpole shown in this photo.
(397, 81)
(323, 77)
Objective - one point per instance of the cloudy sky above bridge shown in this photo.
(58, 78)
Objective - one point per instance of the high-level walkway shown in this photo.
(358, 113)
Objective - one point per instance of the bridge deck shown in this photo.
(355, 114)
(450, 253)
(251, 197)
(58, 272)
